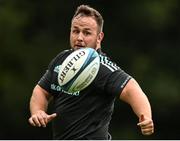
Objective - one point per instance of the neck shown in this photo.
(98, 46)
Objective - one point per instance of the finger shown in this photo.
(36, 121)
(46, 120)
(42, 120)
(147, 126)
(44, 116)
(31, 122)
(51, 117)
(145, 123)
(147, 131)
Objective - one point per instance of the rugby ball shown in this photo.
(78, 70)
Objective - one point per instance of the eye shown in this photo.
(75, 31)
(86, 33)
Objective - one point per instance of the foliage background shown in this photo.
(143, 37)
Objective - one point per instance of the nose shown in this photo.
(80, 37)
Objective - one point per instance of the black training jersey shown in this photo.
(85, 114)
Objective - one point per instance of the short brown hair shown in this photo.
(86, 10)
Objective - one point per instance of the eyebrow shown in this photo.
(84, 28)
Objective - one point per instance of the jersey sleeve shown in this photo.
(116, 82)
(46, 79)
(111, 78)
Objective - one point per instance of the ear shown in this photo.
(100, 37)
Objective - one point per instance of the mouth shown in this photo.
(78, 46)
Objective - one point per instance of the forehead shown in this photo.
(84, 22)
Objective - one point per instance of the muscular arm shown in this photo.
(38, 107)
(133, 95)
(39, 100)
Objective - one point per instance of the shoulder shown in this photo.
(60, 57)
(63, 53)
(107, 63)
(107, 67)
(111, 78)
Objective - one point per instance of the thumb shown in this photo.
(141, 118)
(51, 117)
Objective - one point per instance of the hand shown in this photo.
(41, 118)
(146, 125)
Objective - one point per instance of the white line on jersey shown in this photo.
(109, 64)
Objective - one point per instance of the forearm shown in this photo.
(134, 96)
(141, 106)
(39, 100)
(38, 107)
